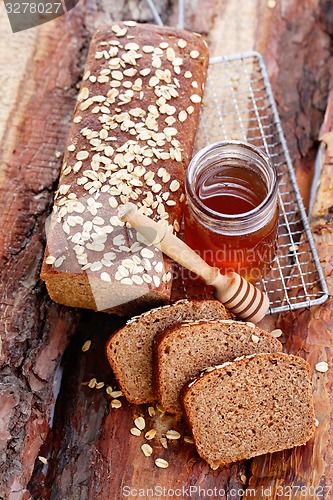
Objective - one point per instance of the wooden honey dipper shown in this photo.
(238, 295)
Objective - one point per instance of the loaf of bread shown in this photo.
(129, 350)
(182, 351)
(251, 406)
(131, 139)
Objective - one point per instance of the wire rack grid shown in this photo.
(239, 105)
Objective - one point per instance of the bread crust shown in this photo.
(169, 314)
(166, 336)
(124, 146)
(199, 381)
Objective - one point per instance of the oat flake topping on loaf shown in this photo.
(131, 140)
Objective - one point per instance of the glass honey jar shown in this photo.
(231, 210)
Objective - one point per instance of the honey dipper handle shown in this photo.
(241, 297)
(169, 244)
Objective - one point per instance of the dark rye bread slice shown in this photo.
(129, 350)
(182, 351)
(254, 405)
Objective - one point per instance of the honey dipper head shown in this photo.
(243, 299)
(126, 210)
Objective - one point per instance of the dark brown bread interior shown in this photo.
(182, 351)
(255, 405)
(129, 350)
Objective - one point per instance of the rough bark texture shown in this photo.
(89, 448)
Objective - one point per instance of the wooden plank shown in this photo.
(90, 445)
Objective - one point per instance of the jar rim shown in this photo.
(272, 188)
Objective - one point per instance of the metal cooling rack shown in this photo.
(239, 104)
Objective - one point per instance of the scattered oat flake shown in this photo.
(106, 277)
(174, 186)
(42, 459)
(277, 333)
(171, 434)
(99, 385)
(213, 467)
(109, 390)
(122, 32)
(116, 394)
(151, 411)
(115, 403)
(164, 442)
(195, 98)
(182, 116)
(188, 440)
(293, 248)
(322, 367)
(161, 463)
(147, 450)
(160, 408)
(86, 346)
(194, 54)
(50, 260)
(92, 383)
(82, 155)
(59, 261)
(243, 478)
(182, 43)
(135, 432)
(255, 339)
(150, 434)
(140, 423)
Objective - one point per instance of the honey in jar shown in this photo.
(231, 212)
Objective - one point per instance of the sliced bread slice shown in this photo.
(129, 350)
(251, 406)
(182, 351)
